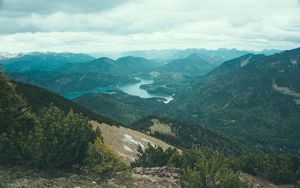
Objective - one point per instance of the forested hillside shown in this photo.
(254, 98)
(38, 98)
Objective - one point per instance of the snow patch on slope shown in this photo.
(130, 139)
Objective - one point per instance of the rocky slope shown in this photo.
(125, 141)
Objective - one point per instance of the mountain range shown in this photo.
(254, 98)
(166, 55)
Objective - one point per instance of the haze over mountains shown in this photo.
(171, 54)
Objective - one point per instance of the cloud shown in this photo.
(101, 25)
(49, 6)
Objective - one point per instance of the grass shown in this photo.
(160, 127)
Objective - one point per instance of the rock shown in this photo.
(158, 176)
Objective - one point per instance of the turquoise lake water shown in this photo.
(131, 89)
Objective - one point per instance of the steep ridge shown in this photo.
(38, 98)
(254, 97)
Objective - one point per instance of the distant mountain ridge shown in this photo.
(66, 72)
(37, 61)
(171, 54)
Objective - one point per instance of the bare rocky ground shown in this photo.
(167, 177)
(159, 177)
(125, 141)
(257, 182)
(20, 177)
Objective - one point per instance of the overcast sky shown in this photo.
(123, 25)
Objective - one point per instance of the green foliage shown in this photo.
(188, 135)
(38, 98)
(53, 139)
(14, 112)
(59, 140)
(242, 102)
(102, 160)
(207, 168)
(61, 75)
(16, 121)
(276, 168)
(153, 156)
(121, 106)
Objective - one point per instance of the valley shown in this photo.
(149, 94)
(195, 89)
(245, 107)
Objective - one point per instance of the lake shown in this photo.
(136, 90)
(131, 89)
(93, 91)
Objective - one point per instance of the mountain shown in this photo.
(43, 61)
(171, 54)
(67, 73)
(5, 55)
(170, 77)
(136, 65)
(38, 98)
(43, 69)
(255, 98)
(192, 65)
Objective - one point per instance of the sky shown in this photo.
(92, 26)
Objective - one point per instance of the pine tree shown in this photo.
(16, 121)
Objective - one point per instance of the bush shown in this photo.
(59, 140)
(16, 121)
(102, 160)
(53, 139)
(208, 168)
(276, 168)
(153, 156)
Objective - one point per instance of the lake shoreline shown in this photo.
(134, 89)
